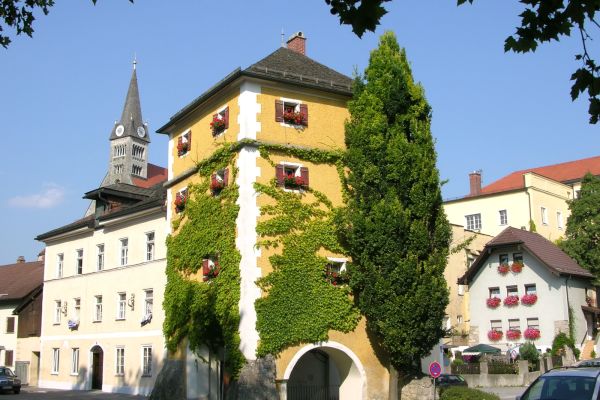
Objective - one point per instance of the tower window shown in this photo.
(118, 169)
(136, 170)
(137, 151)
(119, 150)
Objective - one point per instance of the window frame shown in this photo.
(544, 212)
(57, 312)
(512, 326)
(529, 286)
(512, 290)
(77, 308)
(150, 245)
(121, 306)
(185, 137)
(496, 325)
(147, 360)
(60, 263)
(148, 301)
(503, 258)
(503, 215)
(10, 324)
(120, 361)
(79, 262)
(494, 292)
(55, 361)
(9, 358)
(75, 361)
(100, 257)
(98, 308)
(530, 323)
(559, 220)
(473, 222)
(124, 252)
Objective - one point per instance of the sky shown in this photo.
(62, 90)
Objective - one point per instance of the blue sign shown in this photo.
(435, 369)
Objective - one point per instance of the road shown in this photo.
(33, 393)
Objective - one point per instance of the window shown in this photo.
(60, 258)
(124, 251)
(98, 309)
(79, 262)
(100, 257)
(55, 360)
(148, 301)
(210, 268)
(461, 290)
(496, 325)
(518, 257)
(544, 215)
(514, 324)
(473, 222)
(121, 304)
(77, 308)
(120, 364)
(184, 143)
(291, 112)
(459, 319)
(219, 180)
(8, 357)
(530, 289)
(559, 220)
(291, 176)
(470, 260)
(10, 324)
(147, 360)
(136, 170)
(494, 292)
(138, 152)
(577, 194)
(503, 217)
(57, 311)
(512, 290)
(119, 150)
(74, 361)
(533, 323)
(503, 258)
(149, 246)
(118, 169)
(181, 198)
(220, 121)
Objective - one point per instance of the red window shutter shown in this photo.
(226, 177)
(179, 141)
(226, 118)
(278, 111)
(217, 268)
(304, 113)
(205, 269)
(189, 140)
(304, 175)
(280, 174)
(213, 180)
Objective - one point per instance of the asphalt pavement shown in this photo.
(34, 393)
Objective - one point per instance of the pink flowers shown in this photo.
(511, 301)
(503, 269)
(292, 117)
(294, 182)
(513, 334)
(494, 335)
(531, 333)
(516, 267)
(492, 302)
(217, 125)
(529, 299)
(180, 200)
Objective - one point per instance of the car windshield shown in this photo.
(561, 388)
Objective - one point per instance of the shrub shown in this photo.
(529, 352)
(458, 361)
(465, 393)
(560, 341)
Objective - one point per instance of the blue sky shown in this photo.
(63, 89)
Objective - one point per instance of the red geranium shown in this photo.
(494, 335)
(532, 333)
(292, 117)
(513, 334)
(529, 299)
(492, 302)
(516, 267)
(217, 124)
(511, 301)
(503, 269)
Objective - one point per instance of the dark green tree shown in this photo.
(582, 237)
(394, 226)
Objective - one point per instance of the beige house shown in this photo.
(536, 196)
(104, 275)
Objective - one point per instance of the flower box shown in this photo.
(529, 299)
(511, 301)
(73, 324)
(294, 182)
(182, 148)
(494, 335)
(531, 333)
(493, 302)
(513, 334)
(503, 269)
(292, 117)
(180, 201)
(217, 125)
(516, 267)
(216, 185)
(146, 319)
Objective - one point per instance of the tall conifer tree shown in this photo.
(394, 225)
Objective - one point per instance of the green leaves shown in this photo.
(363, 15)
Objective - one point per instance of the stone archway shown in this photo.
(325, 371)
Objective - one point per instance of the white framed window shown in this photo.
(60, 260)
(184, 143)
(98, 309)
(461, 290)
(149, 246)
(503, 217)
(220, 121)
(494, 292)
(79, 262)
(57, 311)
(512, 290)
(148, 301)
(120, 361)
(544, 212)
(291, 112)
(124, 251)
(533, 323)
(146, 360)
(75, 361)
(55, 360)
(473, 222)
(514, 324)
(496, 325)
(121, 305)
(100, 257)
(77, 308)
(559, 220)
(530, 289)
(181, 198)
(291, 176)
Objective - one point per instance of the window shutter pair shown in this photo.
(280, 175)
(214, 182)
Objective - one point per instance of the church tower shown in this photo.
(129, 140)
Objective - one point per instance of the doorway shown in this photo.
(97, 367)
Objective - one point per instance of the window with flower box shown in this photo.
(184, 143)
(220, 122)
(495, 332)
(533, 323)
(181, 198)
(219, 180)
(494, 292)
(292, 176)
(514, 329)
(210, 268)
(530, 289)
(291, 112)
(335, 271)
(496, 325)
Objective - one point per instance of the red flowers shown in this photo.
(182, 148)
(516, 267)
(503, 269)
(292, 117)
(180, 200)
(529, 299)
(532, 333)
(217, 125)
(511, 301)
(293, 182)
(493, 302)
(494, 335)
(513, 334)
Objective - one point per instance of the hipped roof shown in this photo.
(19, 279)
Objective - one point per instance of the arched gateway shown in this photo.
(97, 355)
(325, 371)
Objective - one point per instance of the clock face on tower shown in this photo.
(141, 131)
(119, 131)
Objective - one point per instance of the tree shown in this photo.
(582, 237)
(541, 21)
(394, 226)
(18, 15)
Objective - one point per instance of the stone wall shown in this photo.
(256, 381)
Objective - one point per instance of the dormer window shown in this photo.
(220, 121)
(291, 112)
(184, 143)
(291, 176)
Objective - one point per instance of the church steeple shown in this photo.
(129, 140)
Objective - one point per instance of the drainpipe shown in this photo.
(529, 197)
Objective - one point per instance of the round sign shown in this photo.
(435, 369)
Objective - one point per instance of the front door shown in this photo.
(97, 367)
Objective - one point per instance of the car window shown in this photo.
(453, 378)
(561, 388)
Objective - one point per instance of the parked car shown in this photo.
(9, 381)
(446, 380)
(594, 362)
(565, 384)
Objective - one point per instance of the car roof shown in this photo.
(590, 372)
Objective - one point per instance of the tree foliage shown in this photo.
(541, 21)
(394, 226)
(582, 237)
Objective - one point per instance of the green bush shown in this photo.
(457, 361)
(529, 352)
(465, 393)
(560, 341)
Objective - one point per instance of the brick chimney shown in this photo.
(475, 183)
(20, 260)
(297, 43)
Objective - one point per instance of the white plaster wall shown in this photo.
(8, 340)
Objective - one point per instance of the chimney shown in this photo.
(475, 183)
(20, 260)
(297, 43)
